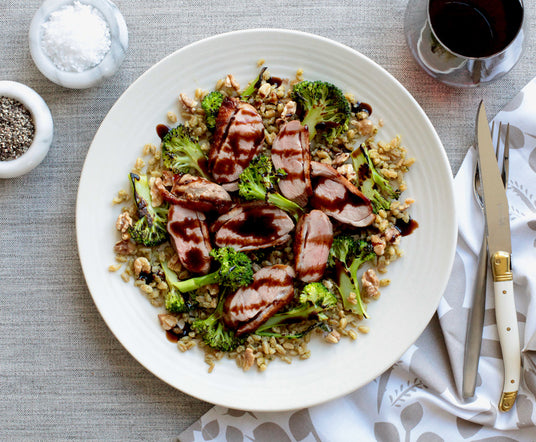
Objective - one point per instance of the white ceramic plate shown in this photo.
(418, 279)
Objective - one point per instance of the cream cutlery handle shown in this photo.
(506, 317)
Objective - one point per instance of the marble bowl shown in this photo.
(44, 129)
(90, 77)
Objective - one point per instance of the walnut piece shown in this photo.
(124, 222)
(167, 321)
(141, 265)
(371, 284)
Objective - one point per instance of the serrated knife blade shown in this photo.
(500, 249)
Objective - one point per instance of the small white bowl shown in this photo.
(93, 76)
(44, 129)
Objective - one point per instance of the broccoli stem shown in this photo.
(311, 119)
(349, 284)
(285, 204)
(189, 285)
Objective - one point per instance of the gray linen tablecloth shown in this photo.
(63, 375)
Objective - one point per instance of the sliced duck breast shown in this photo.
(312, 242)
(237, 139)
(290, 152)
(252, 226)
(249, 307)
(190, 238)
(196, 193)
(338, 197)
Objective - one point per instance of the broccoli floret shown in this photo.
(346, 255)
(150, 228)
(314, 300)
(214, 333)
(253, 86)
(324, 106)
(175, 301)
(211, 104)
(258, 182)
(371, 182)
(181, 152)
(236, 270)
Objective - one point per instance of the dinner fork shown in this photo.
(473, 340)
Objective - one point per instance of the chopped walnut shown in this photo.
(167, 321)
(249, 359)
(124, 247)
(378, 243)
(340, 159)
(141, 265)
(289, 110)
(188, 103)
(348, 172)
(231, 82)
(156, 195)
(264, 90)
(124, 222)
(371, 284)
(365, 127)
(392, 235)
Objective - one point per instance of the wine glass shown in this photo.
(465, 42)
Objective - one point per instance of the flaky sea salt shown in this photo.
(76, 37)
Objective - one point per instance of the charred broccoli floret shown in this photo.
(371, 182)
(258, 182)
(346, 256)
(235, 270)
(150, 228)
(181, 152)
(314, 300)
(324, 106)
(211, 104)
(175, 301)
(214, 332)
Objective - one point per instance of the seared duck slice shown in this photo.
(249, 307)
(190, 238)
(312, 242)
(290, 152)
(338, 197)
(196, 193)
(252, 226)
(237, 139)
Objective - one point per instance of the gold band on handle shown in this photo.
(501, 267)
(507, 400)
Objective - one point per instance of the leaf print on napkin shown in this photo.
(238, 413)
(524, 408)
(430, 437)
(405, 392)
(386, 432)
(515, 103)
(211, 430)
(270, 432)
(410, 417)
(524, 193)
(233, 434)
(532, 160)
(467, 428)
(301, 425)
(516, 137)
(382, 386)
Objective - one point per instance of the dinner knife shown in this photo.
(499, 251)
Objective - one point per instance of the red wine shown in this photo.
(475, 28)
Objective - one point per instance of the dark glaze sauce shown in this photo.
(182, 227)
(362, 107)
(257, 223)
(162, 130)
(406, 228)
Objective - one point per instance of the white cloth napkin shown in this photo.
(419, 398)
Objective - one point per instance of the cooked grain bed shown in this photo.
(391, 160)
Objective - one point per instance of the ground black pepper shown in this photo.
(17, 129)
